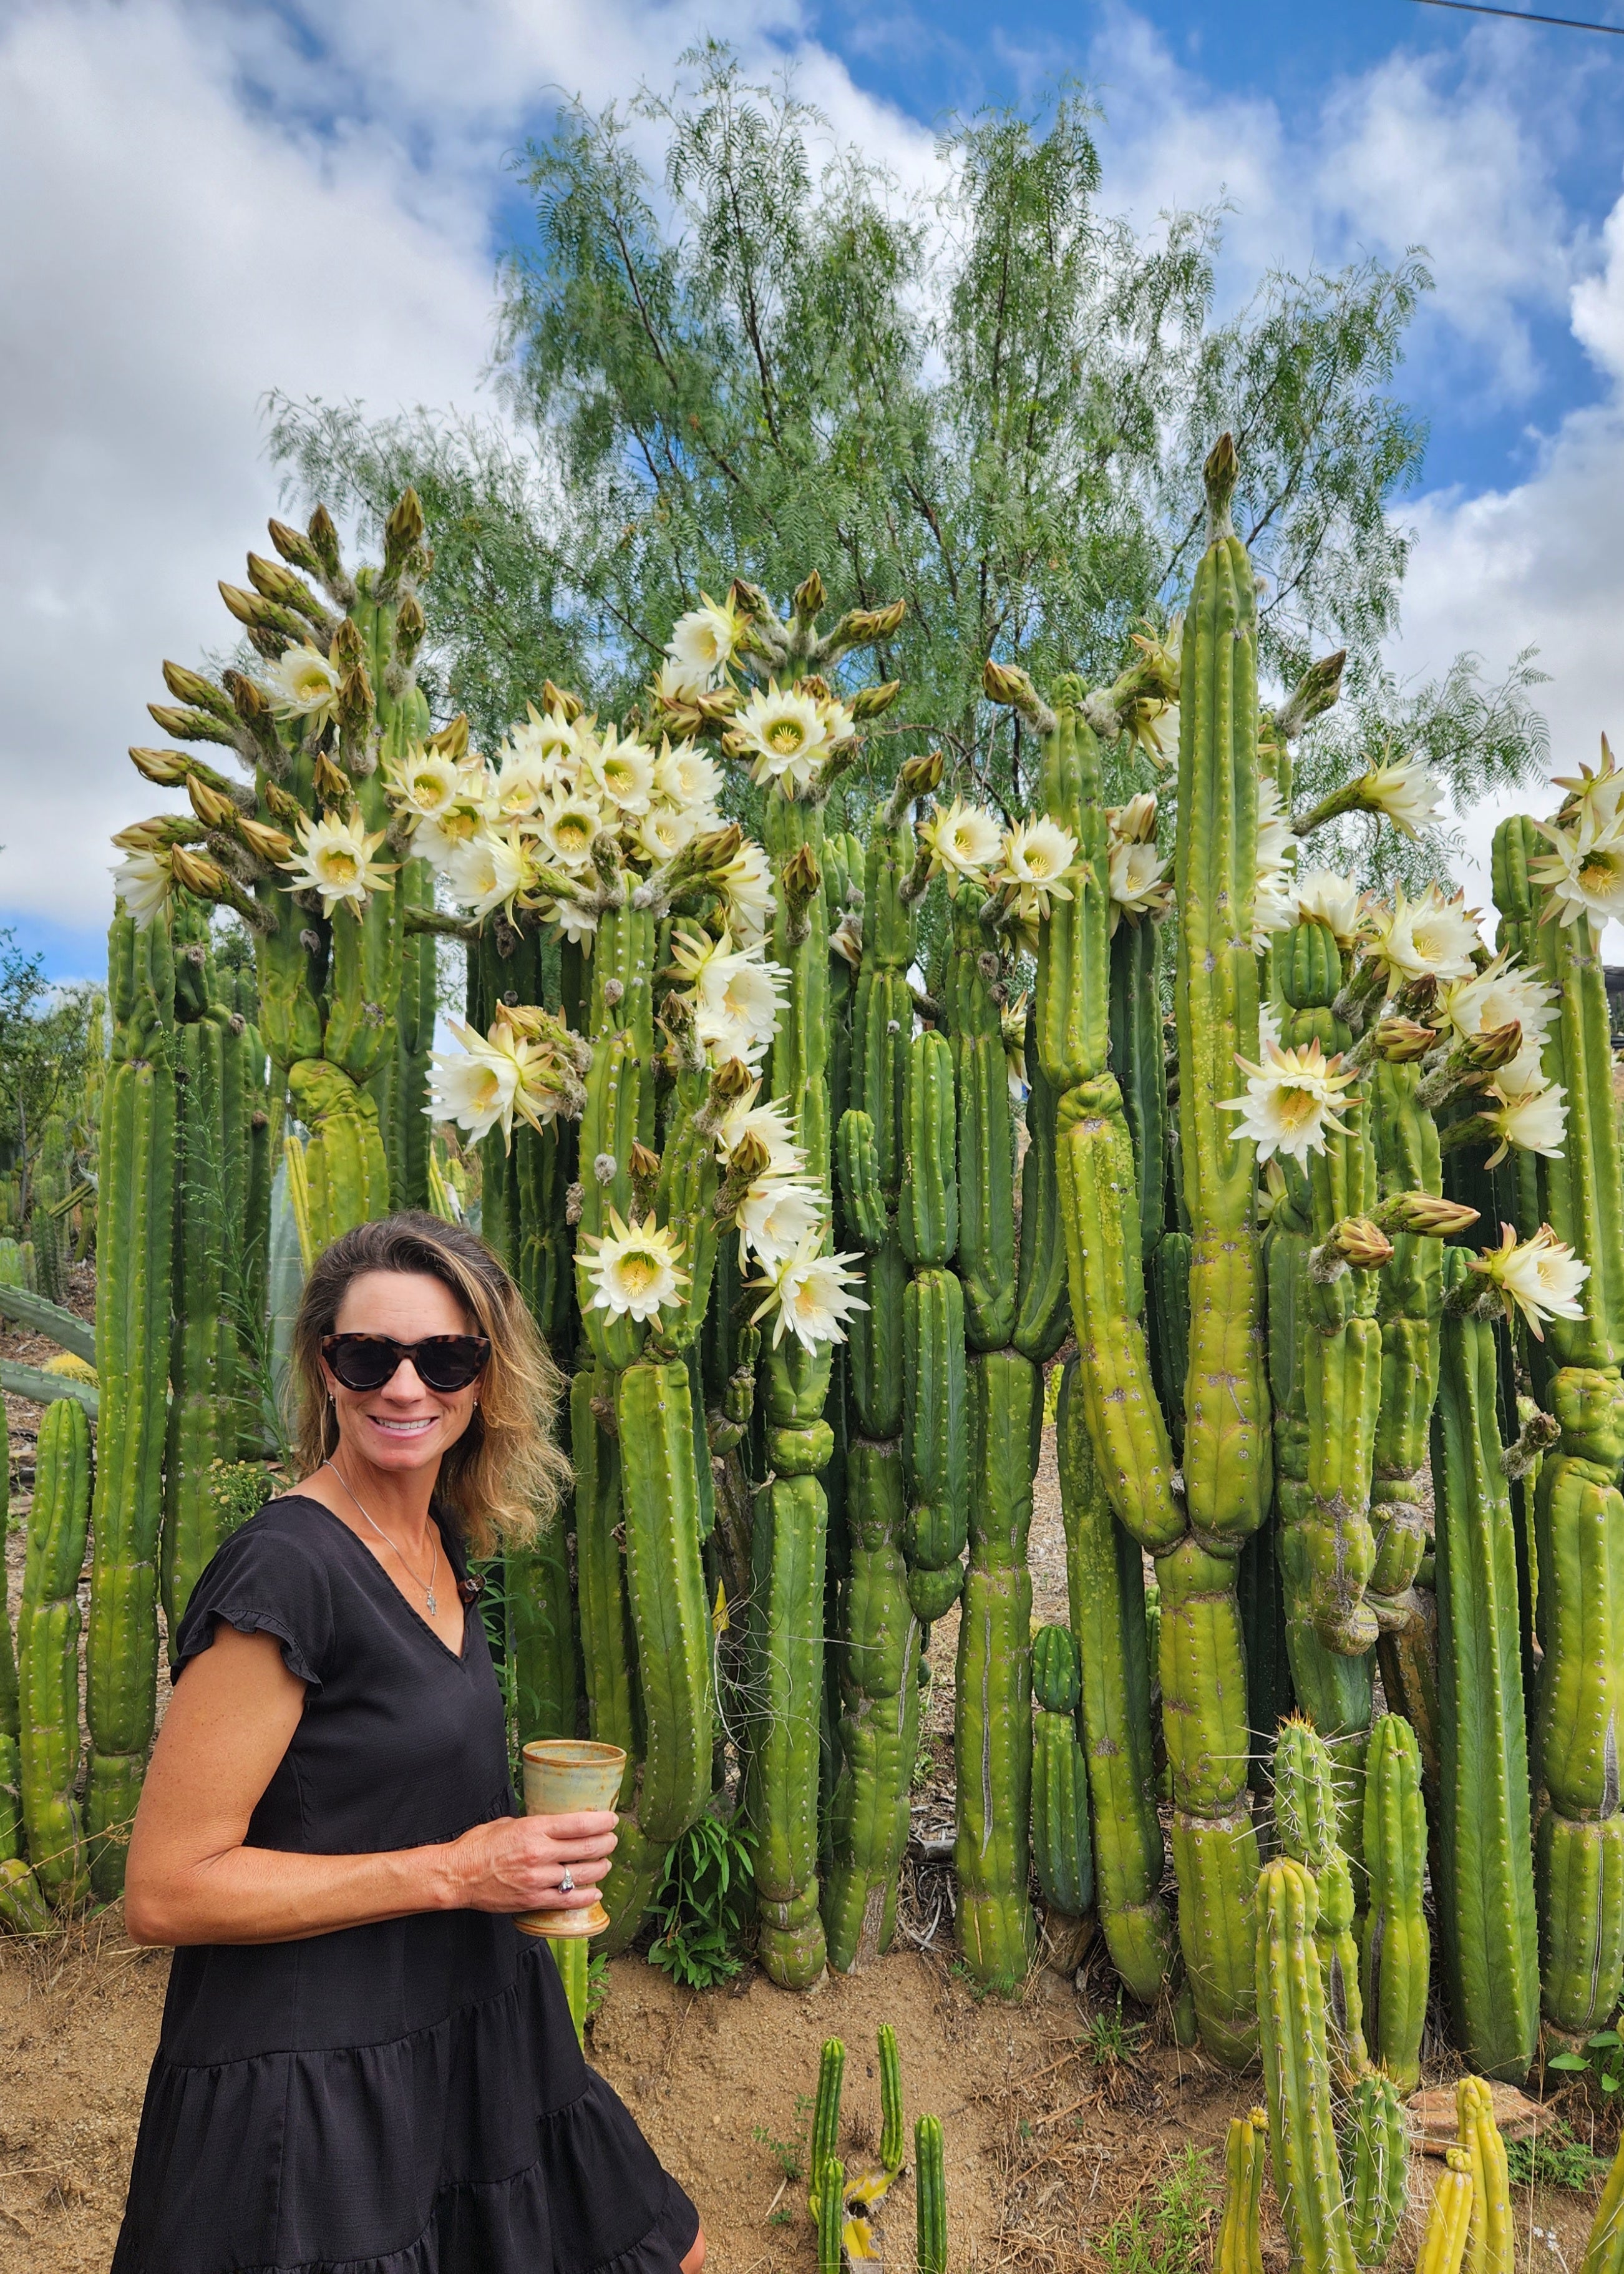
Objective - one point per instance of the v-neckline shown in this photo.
(457, 1657)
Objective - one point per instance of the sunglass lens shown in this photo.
(449, 1361)
(361, 1361)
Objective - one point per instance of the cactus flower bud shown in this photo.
(272, 582)
(166, 768)
(918, 777)
(331, 782)
(191, 686)
(270, 844)
(296, 547)
(283, 807)
(799, 879)
(197, 873)
(810, 596)
(1354, 1244)
(870, 702)
(213, 808)
(1402, 1042)
(324, 541)
(410, 624)
(1486, 1053)
(403, 532)
(876, 623)
(1424, 1213)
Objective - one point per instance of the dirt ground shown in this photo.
(1061, 2110)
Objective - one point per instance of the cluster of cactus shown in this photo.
(689, 1057)
(842, 2209)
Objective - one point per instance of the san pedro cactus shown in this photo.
(1604, 2250)
(825, 2119)
(1291, 2027)
(1245, 2152)
(1061, 1848)
(892, 2137)
(1305, 1823)
(1490, 2242)
(830, 2216)
(929, 2197)
(22, 1906)
(1443, 2243)
(1395, 1945)
(48, 1632)
(1486, 1878)
(136, 1200)
(1376, 2160)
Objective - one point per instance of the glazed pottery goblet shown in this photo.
(562, 1776)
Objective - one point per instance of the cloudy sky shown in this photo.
(210, 200)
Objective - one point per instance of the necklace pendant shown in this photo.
(431, 1605)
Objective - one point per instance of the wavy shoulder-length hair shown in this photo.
(506, 1474)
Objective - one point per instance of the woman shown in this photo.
(364, 2066)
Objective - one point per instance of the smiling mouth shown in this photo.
(402, 1428)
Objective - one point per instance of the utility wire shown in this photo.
(1524, 15)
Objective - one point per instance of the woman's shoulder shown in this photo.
(275, 1572)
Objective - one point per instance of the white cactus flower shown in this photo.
(334, 858)
(1593, 797)
(425, 783)
(1274, 907)
(1406, 792)
(302, 684)
(664, 830)
(477, 1086)
(1493, 997)
(1541, 1276)
(442, 837)
(143, 883)
(702, 643)
(808, 1296)
(1429, 939)
(965, 839)
(746, 887)
(785, 736)
(771, 1124)
(1135, 822)
(520, 784)
(1585, 872)
(1323, 896)
(777, 1217)
(633, 1267)
(1276, 843)
(575, 919)
(1140, 885)
(1533, 1120)
(552, 743)
(1292, 1100)
(567, 827)
(1037, 858)
(685, 777)
(622, 771)
(488, 872)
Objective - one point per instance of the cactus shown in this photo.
(48, 1632)
(1604, 2250)
(1443, 2243)
(22, 1906)
(825, 2119)
(1105, 1580)
(1240, 2245)
(892, 2136)
(1306, 1822)
(1486, 1882)
(1061, 1846)
(1376, 2162)
(1292, 2026)
(1491, 2241)
(929, 2197)
(1395, 1946)
(137, 1190)
(830, 2216)
(571, 1955)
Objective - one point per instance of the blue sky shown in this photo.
(230, 195)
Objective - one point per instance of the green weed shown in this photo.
(1165, 2230)
(790, 2156)
(704, 1904)
(1110, 2038)
(1552, 2158)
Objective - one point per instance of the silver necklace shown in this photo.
(429, 1603)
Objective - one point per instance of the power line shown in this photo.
(1523, 16)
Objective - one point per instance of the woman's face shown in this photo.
(405, 1425)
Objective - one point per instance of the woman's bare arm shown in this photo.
(189, 1879)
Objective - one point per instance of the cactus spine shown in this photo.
(48, 1653)
(136, 1200)
(1395, 1946)
(1486, 1879)
(1245, 2151)
(1292, 2026)
(1378, 2153)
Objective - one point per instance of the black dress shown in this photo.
(403, 2099)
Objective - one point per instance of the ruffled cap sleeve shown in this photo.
(265, 1579)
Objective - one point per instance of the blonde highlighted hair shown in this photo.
(506, 1474)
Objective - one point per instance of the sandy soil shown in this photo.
(1056, 2119)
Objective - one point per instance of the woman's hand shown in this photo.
(516, 1862)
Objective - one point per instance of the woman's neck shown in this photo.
(399, 1500)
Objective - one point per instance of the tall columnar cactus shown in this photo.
(1292, 2026)
(1376, 2160)
(1579, 1516)
(137, 1202)
(1061, 1846)
(1240, 2242)
(1305, 1823)
(1105, 1581)
(1395, 1945)
(22, 1906)
(1409, 1307)
(1486, 1879)
(48, 1632)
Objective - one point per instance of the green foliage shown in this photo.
(597, 1983)
(1554, 2159)
(704, 1904)
(1602, 2059)
(1108, 2040)
(1165, 2229)
(44, 1046)
(776, 358)
(239, 1489)
(789, 2155)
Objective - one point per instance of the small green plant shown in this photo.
(1164, 2230)
(239, 1489)
(597, 1983)
(1552, 2158)
(789, 2155)
(1602, 2058)
(1109, 2038)
(704, 1904)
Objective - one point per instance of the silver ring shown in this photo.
(567, 1885)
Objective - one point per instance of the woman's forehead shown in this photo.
(405, 1303)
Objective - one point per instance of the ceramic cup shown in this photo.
(563, 1776)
